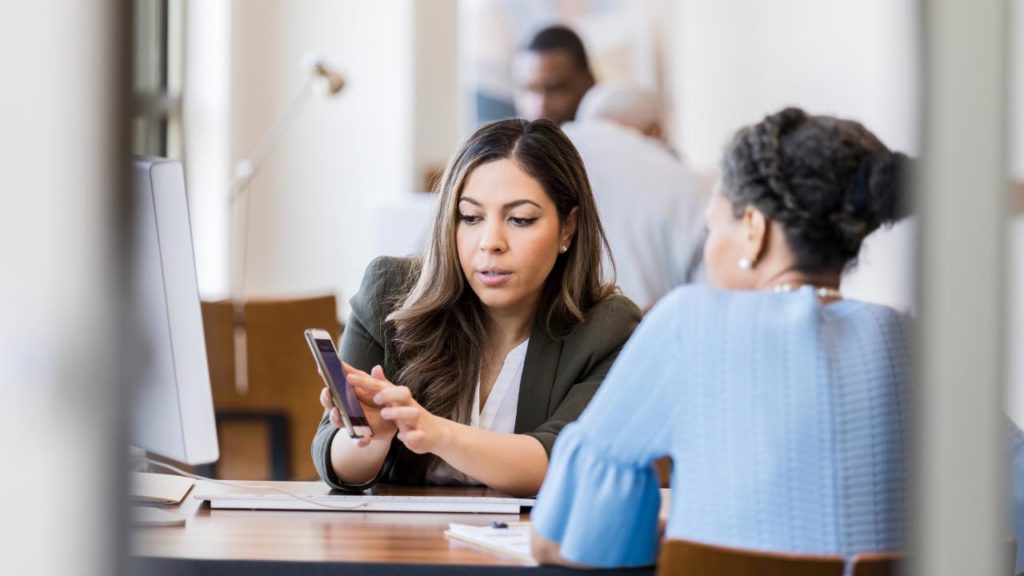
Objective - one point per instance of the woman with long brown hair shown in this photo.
(469, 360)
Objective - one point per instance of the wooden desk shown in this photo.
(328, 542)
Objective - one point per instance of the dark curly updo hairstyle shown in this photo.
(827, 182)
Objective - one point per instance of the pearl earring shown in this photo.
(745, 263)
(563, 249)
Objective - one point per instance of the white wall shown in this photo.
(310, 204)
(884, 272)
(206, 100)
(740, 60)
(743, 59)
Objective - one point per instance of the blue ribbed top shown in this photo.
(786, 419)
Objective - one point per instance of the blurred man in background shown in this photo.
(552, 74)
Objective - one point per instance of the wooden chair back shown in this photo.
(682, 558)
(685, 558)
(876, 564)
(276, 387)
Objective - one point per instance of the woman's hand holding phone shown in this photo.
(389, 410)
(335, 415)
(383, 430)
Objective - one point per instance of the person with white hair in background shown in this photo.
(651, 204)
(626, 105)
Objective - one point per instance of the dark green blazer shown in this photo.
(559, 378)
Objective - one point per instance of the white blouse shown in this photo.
(498, 413)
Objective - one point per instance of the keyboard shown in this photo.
(269, 496)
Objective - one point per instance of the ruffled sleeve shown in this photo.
(600, 497)
(603, 512)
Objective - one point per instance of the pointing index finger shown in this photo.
(392, 395)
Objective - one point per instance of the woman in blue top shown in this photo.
(782, 405)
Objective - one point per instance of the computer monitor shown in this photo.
(172, 412)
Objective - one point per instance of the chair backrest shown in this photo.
(685, 558)
(876, 564)
(280, 375)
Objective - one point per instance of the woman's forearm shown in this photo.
(511, 463)
(354, 464)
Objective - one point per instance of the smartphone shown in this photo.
(329, 366)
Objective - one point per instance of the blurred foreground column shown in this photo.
(61, 245)
(959, 485)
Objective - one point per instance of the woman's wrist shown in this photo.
(447, 435)
(355, 464)
(385, 437)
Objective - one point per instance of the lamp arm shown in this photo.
(246, 168)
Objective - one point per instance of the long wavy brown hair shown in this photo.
(439, 323)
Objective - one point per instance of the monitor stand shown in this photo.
(150, 490)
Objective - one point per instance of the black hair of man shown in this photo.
(561, 39)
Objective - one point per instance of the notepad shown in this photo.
(152, 488)
(513, 541)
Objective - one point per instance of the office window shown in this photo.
(156, 77)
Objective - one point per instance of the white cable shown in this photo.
(254, 486)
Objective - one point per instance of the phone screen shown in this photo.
(336, 374)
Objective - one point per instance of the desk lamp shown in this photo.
(320, 79)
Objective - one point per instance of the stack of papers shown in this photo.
(512, 541)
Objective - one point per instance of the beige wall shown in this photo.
(436, 94)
